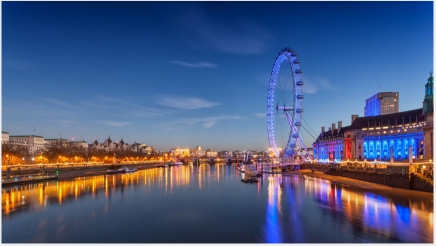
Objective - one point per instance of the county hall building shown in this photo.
(383, 134)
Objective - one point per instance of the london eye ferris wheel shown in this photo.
(285, 106)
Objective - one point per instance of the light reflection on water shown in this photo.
(187, 199)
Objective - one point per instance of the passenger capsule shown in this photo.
(294, 54)
(297, 123)
(293, 145)
(300, 96)
(299, 110)
(298, 71)
(295, 135)
(296, 61)
(300, 83)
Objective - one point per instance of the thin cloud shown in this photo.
(240, 37)
(194, 65)
(206, 122)
(325, 84)
(115, 123)
(39, 109)
(261, 115)
(123, 107)
(66, 123)
(59, 103)
(309, 88)
(312, 86)
(185, 102)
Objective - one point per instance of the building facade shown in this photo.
(382, 103)
(5, 137)
(198, 152)
(35, 144)
(388, 137)
(427, 110)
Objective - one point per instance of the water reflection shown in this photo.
(273, 211)
(185, 199)
(387, 217)
(37, 196)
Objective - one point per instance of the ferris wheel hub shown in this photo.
(285, 108)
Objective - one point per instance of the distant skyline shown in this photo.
(183, 74)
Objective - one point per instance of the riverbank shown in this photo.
(75, 172)
(341, 180)
(71, 173)
(94, 171)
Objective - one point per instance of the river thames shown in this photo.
(210, 204)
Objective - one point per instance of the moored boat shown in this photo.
(161, 165)
(121, 170)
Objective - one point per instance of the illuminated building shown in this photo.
(393, 136)
(382, 103)
(181, 152)
(198, 152)
(5, 137)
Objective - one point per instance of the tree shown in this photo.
(13, 153)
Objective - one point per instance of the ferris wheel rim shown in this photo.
(286, 55)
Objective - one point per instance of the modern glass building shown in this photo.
(382, 103)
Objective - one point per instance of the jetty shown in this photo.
(7, 182)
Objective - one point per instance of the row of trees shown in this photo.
(13, 154)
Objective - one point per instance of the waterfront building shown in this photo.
(382, 103)
(389, 137)
(181, 152)
(427, 110)
(80, 144)
(198, 152)
(5, 137)
(108, 144)
(34, 143)
(141, 148)
(211, 153)
(58, 142)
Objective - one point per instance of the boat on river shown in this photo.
(121, 170)
(177, 163)
(249, 180)
(249, 170)
(161, 165)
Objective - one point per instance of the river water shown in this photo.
(210, 204)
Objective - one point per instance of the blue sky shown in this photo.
(184, 74)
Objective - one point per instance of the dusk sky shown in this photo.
(183, 74)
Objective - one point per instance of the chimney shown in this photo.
(322, 129)
(333, 127)
(353, 117)
(339, 125)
